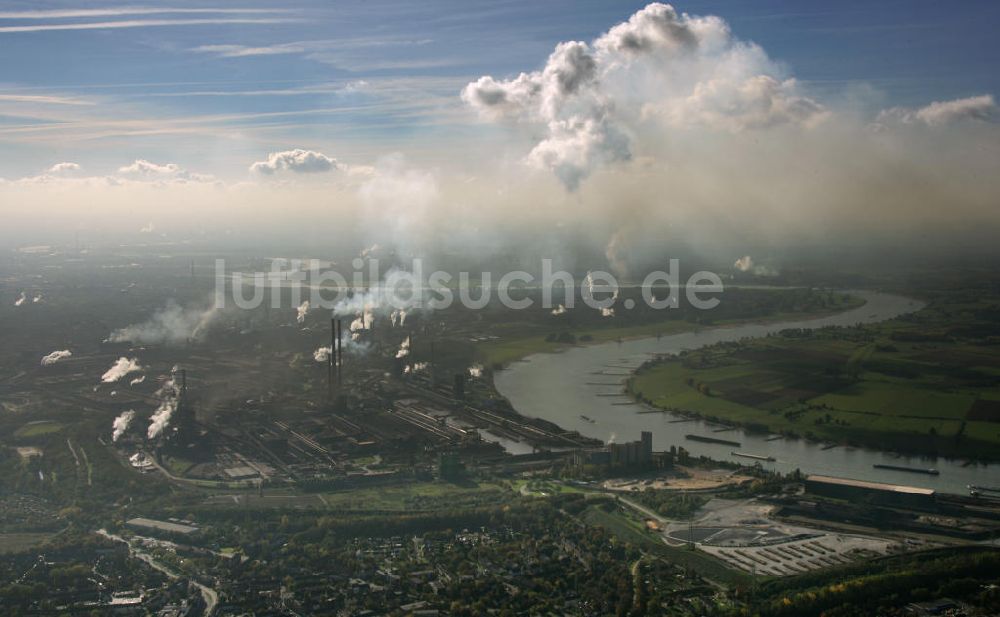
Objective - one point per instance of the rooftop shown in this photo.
(161, 525)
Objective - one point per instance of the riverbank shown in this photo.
(498, 354)
(561, 388)
(892, 385)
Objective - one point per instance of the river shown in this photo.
(563, 387)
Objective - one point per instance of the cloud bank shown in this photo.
(667, 131)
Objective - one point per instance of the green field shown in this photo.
(17, 542)
(908, 384)
(510, 350)
(39, 428)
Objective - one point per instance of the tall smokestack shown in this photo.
(340, 354)
(331, 359)
(184, 383)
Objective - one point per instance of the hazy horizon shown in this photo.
(630, 130)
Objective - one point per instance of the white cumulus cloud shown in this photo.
(298, 161)
(142, 167)
(62, 168)
(659, 69)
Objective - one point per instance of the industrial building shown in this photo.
(630, 454)
(162, 527)
(877, 492)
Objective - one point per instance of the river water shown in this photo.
(563, 387)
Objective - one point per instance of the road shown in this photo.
(210, 596)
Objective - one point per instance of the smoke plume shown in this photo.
(746, 264)
(323, 354)
(171, 324)
(404, 348)
(56, 356)
(302, 311)
(122, 367)
(121, 424)
(160, 419)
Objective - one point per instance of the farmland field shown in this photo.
(909, 384)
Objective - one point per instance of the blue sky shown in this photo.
(217, 89)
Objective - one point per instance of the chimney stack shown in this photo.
(331, 360)
(340, 353)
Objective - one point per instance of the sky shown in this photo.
(391, 95)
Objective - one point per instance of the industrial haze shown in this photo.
(508, 308)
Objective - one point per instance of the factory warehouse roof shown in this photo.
(161, 525)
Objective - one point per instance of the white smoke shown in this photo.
(302, 311)
(121, 424)
(397, 317)
(148, 228)
(350, 346)
(160, 419)
(416, 367)
(56, 356)
(392, 297)
(121, 368)
(559, 310)
(746, 264)
(476, 370)
(323, 354)
(21, 299)
(397, 202)
(615, 253)
(171, 324)
(404, 348)
(356, 327)
(363, 320)
(138, 380)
